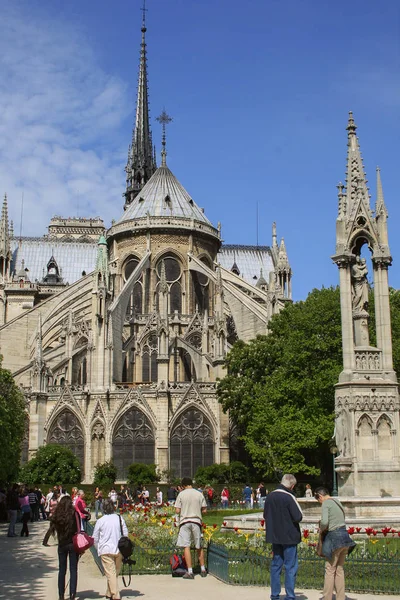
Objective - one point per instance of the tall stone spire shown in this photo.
(380, 207)
(141, 162)
(356, 181)
(5, 247)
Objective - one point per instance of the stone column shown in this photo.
(347, 315)
(382, 313)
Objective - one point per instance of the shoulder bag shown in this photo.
(125, 546)
(81, 540)
(322, 534)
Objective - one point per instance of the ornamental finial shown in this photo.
(164, 119)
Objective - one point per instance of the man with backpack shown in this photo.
(190, 506)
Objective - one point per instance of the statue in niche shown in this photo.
(341, 432)
(359, 272)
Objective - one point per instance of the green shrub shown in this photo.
(105, 474)
(139, 474)
(235, 472)
(52, 464)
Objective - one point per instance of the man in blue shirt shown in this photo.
(247, 493)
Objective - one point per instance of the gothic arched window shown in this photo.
(192, 443)
(201, 289)
(149, 359)
(135, 304)
(66, 431)
(173, 276)
(133, 441)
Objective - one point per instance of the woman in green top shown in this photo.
(337, 543)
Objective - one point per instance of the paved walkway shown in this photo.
(28, 571)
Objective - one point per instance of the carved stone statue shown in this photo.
(342, 432)
(359, 283)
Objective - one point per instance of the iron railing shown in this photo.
(363, 573)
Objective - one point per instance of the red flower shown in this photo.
(224, 524)
(236, 529)
(262, 522)
(163, 521)
(374, 532)
(204, 525)
(350, 530)
(358, 529)
(306, 533)
(386, 530)
(368, 530)
(215, 526)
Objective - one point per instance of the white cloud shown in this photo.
(59, 111)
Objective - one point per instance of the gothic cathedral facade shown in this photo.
(117, 336)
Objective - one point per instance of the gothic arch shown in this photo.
(384, 437)
(169, 251)
(66, 430)
(192, 442)
(133, 440)
(366, 449)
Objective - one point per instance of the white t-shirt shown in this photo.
(190, 502)
(107, 533)
(159, 497)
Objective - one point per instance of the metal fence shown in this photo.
(379, 574)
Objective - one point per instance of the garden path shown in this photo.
(28, 571)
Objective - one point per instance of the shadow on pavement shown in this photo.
(24, 569)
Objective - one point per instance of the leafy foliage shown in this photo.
(280, 388)
(235, 472)
(139, 473)
(105, 474)
(52, 464)
(12, 425)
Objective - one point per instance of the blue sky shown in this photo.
(259, 92)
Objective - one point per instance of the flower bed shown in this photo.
(243, 558)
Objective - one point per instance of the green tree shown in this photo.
(12, 425)
(52, 464)
(280, 388)
(105, 474)
(139, 474)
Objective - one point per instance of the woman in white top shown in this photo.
(106, 534)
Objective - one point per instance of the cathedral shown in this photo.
(117, 337)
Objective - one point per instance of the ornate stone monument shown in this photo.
(366, 397)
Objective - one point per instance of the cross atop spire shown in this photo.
(141, 164)
(164, 119)
(144, 11)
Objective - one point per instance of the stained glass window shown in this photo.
(192, 443)
(133, 441)
(67, 431)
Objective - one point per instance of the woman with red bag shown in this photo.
(65, 524)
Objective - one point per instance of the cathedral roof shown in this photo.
(72, 257)
(164, 196)
(248, 259)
